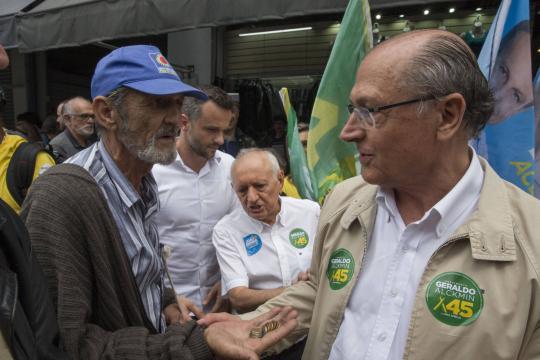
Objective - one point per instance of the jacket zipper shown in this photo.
(446, 243)
(342, 313)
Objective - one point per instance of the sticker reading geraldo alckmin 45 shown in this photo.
(454, 299)
(298, 238)
(340, 269)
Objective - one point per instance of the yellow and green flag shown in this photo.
(331, 160)
(297, 158)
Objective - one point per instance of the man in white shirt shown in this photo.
(195, 193)
(429, 254)
(265, 246)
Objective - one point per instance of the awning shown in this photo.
(60, 23)
(8, 9)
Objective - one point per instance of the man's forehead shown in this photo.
(85, 104)
(210, 111)
(253, 162)
(374, 83)
(80, 103)
(382, 69)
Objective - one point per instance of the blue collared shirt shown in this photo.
(134, 215)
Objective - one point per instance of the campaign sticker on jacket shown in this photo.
(253, 244)
(340, 269)
(454, 299)
(298, 238)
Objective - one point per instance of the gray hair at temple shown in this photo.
(272, 159)
(67, 108)
(116, 98)
(192, 106)
(446, 65)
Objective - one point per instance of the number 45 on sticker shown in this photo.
(341, 275)
(457, 307)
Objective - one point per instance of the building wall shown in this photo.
(305, 53)
(193, 48)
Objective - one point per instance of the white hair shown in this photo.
(272, 159)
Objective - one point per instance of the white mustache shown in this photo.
(166, 131)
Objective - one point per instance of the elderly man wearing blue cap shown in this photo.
(91, 221)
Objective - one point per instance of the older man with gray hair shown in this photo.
(265, 246)
(428, 254)
(78, 117)
(92, 226)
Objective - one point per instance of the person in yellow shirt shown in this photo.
(289, 188)
(13, 190)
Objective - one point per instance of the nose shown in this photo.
(252, 195)
(352, 131)
(220, 139)
(172, 118)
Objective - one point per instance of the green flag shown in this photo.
(297, 158)
(329, 159)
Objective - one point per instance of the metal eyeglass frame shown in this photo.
(83, 116)
(365, 114)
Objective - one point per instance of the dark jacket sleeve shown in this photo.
(100, 313)
(30, 317)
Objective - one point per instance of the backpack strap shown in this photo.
(21, 170)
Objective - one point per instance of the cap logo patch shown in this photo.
(161, 63)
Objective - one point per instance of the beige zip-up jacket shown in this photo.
(498, 248)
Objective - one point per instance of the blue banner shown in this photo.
(508, 139)
(537, 127)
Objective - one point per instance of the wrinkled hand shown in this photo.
(210, 319)
(228, 336)
(302, 276)
(214, 295)
(187, 306)
(172, 314)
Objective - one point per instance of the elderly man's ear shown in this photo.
(184, 122)
(451, 108)
(103, 112)
(281, 177)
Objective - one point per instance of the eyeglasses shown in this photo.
(83, 116)
(365, 115)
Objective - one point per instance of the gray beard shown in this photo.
(148, 152)
(152, 155)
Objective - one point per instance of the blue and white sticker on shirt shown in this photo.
(162, 65)
(253, 244)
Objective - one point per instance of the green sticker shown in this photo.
(298, 238)
(340, 269)
(454, 299)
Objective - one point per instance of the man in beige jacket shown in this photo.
(429, 254)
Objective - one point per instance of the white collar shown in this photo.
(452, 205)
(214, 161)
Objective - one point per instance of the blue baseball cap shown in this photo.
(142, 68)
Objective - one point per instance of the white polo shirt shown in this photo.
(190, 205)
(376, 321)
(259, 256)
